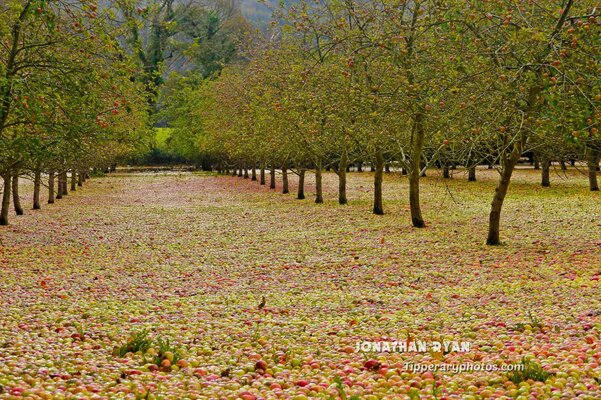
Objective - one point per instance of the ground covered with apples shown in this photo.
(177, 286)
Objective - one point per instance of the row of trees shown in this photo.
(69, 97)
(407, 83)
(80, 80)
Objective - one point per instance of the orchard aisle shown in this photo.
(190, 256)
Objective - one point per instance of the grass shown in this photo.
(161, 136)
(139, 341)
(164, 347)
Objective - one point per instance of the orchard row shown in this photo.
(410, 84)
(70, 98)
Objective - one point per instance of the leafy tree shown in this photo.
(59, 103)
(519, 45)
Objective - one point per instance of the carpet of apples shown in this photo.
(190, 256)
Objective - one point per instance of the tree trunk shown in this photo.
(494, 219)
(318, 184)
(73, 180)
(240, 173)
(546, 173)
(59, 186)
(360, 166)
(508, 165)
(414, 175)
(272, 178)
(593, 164)
(285, 188)
(342, 178)
(301, 184)
(403, 171)
(80, 178)
(65, 182)
(536, 162)
(246, 172)
(262, 173)
(564, 167)
(37, 183)
(5, 199)
(50, 187)
(445, 172)
(471, 174)
(378, 203)
(416, 212)
(253, 173)
(386, 168)
(16, 199)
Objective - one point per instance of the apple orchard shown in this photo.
(328, 199)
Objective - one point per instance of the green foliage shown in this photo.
(164, 347)
(66, 88)
(139, 341)
(162, 136)
(530, 371)
(409, 84)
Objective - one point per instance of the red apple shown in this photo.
(372, 365)
(261, 365)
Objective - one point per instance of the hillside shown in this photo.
(259, 13)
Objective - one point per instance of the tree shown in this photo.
(58, 103)
(520, 45)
